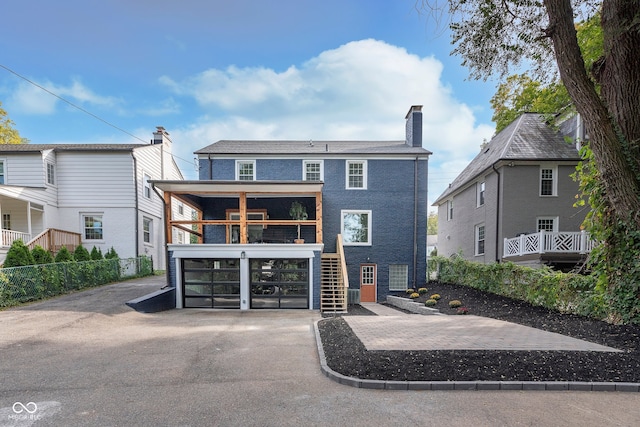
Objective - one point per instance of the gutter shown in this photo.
(137, 207)
(493, 166)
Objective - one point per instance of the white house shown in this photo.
(93, 194)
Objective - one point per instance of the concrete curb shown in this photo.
(466, 385)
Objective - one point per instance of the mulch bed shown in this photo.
(347, 355)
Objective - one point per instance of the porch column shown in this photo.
(319, 217)
(244, 235)
(29, 219)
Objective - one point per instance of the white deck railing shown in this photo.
(9, 236)
(578, 242)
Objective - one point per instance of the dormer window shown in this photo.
(245, 170)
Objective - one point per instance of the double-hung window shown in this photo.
(312, 170)
(245, 170)
(51, 174)
(356, 227)
(147, 228)
(548, 181)
(146, 186)
(480, 239)
(92, 227)
(547, 223)
(480, 194)
(356, 174)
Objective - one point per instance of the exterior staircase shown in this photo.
(334, 281)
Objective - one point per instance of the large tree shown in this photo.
(8, 133)
(494, 36)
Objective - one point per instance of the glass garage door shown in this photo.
(211, 283)
(279, 283)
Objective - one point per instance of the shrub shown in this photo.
(18, 255)
(422, 291)
(111, 254)
(81, 254)
(430, 302)
(96, 254)
(409, 291)
(462, 310)
(435, 297)
(63, 255)
(41, 256)
(455, 303)
(414, 295)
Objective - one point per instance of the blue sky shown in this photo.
(245, 69)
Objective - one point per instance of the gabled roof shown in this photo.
(526, 138)
(313, 148)
(34, 148)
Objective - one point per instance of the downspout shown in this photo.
(210, 168)
(166, 249)
(415, 221)
(135, 187)
(498, 257)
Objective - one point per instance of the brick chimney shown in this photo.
(414, 126)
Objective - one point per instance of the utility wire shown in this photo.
(81, 109)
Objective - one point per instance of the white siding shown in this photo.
(24, 169)
(95, 179)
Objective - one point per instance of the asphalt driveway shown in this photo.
(86, 359)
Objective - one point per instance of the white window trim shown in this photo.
(241, 162)
(54, 177)
(4, 170)
(369, 222)
(476, 239)
(364, 174)
(83, 230)
(150, 220)
(405, 285)
(304, 168)
(146, 185)
(480, 201)
(555, 219)
(554, 185)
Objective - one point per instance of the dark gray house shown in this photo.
(514, 201)
(302, 224)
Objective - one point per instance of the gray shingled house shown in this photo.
(514, 201)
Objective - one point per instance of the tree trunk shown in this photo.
(612, 120)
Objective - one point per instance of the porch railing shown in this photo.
(548, 242)
(9, 236)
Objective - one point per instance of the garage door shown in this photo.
(279, 283)
(211, 283)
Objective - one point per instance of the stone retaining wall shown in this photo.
(414, 307)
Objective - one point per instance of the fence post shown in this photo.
(521, 247)
(583, 242)
(541, 242)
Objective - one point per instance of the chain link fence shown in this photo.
(35, 282)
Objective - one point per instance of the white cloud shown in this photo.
(361, 90)
(31, 99)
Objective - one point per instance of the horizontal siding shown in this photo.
(24, 169)
(95, 179)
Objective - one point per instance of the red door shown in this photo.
(368, 283)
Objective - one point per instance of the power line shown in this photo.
(82, 109)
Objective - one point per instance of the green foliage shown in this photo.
(565, 292)
(409, 291)
(63, 255)
(430, 302)
(96, 254)
(455, 303)
(414, 295)
(432, 223)
(8, 133)
(81, 254)
(111, 254)
(18, 255)
(422, 291)
(435, 297)
(41, 256)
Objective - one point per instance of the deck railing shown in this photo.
(578, 242)
(9, 236)
(53, 240)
